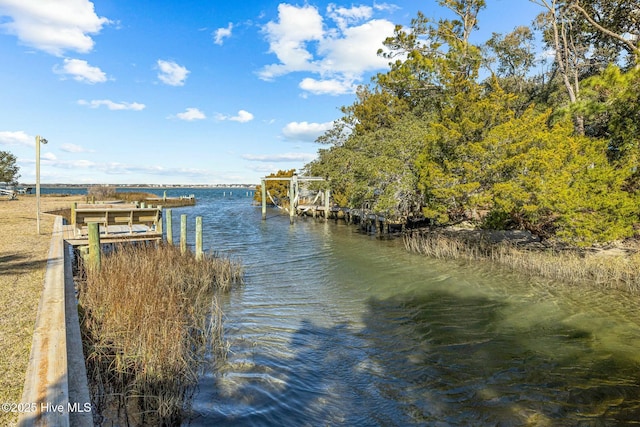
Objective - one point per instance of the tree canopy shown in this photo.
(455, 131)
(8, 168)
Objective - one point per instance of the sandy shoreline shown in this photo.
(23, 260)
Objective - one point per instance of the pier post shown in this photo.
(94, 246)
(292, 199)
(183, 233)
(326, 204)
(198, 238)
(159, 230)
(74, 206)
(263, 189)
(169, 227)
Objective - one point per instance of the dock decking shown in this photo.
(116, 234)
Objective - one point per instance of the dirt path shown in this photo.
(23, 260)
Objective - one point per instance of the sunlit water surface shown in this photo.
(334, 327)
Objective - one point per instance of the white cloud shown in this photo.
(81, 71)
(338, 54)
(242, 117)
(355, 50)
(52, 26)
(386, 7)
(288, 39)
(285, 157)
(84, 164)
(304, 131)
(73, 148)
(191, 114)
(327, 87)
(343, 16)
(222, 33)
(96, 103)
(171, 73)
(18, 137)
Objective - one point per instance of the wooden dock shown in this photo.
(117, 223)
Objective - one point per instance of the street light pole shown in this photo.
(38, 142)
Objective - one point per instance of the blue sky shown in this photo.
(190, 92)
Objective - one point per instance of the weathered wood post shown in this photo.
(326, 204)
(94, 246)
(159, 230)
(169, 227)
(198, 238)
(263, 190)
(183, 233)
(74, 206)
(292, 199)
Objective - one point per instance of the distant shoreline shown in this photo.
(141, 185)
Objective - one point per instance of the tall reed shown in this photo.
(148, 318)
(562, 264)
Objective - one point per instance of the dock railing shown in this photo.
(110, 216)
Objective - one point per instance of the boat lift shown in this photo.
(294, 192)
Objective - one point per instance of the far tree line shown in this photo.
(456, 131)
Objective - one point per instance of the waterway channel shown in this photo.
(334, 327)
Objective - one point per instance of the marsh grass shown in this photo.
(567, 265)
(106, 192)
(149, 317)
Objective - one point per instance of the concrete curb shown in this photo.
(51, 396)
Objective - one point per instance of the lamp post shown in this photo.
(39, 140)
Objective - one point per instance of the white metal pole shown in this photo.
(38, 182)
(38, 142)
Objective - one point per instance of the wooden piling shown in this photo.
(326, 204)
(169, 227)
(94, 246)
(183, 234)
(198, 238)
(263, 189)
(159, 230)
(74, 206)
(292, 195)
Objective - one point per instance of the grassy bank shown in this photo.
(148, 318)
(603, 268)
(23, 261)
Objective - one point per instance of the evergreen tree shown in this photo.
(8, 168)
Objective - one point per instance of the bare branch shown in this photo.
(635, 49)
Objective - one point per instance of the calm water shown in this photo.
(338, 328)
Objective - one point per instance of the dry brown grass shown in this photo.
(148, 317)
(23, 259)
(614, 269)
(106, 192)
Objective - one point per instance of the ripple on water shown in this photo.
(338, 328)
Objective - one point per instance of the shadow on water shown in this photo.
(465, 366)
(437, 359)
